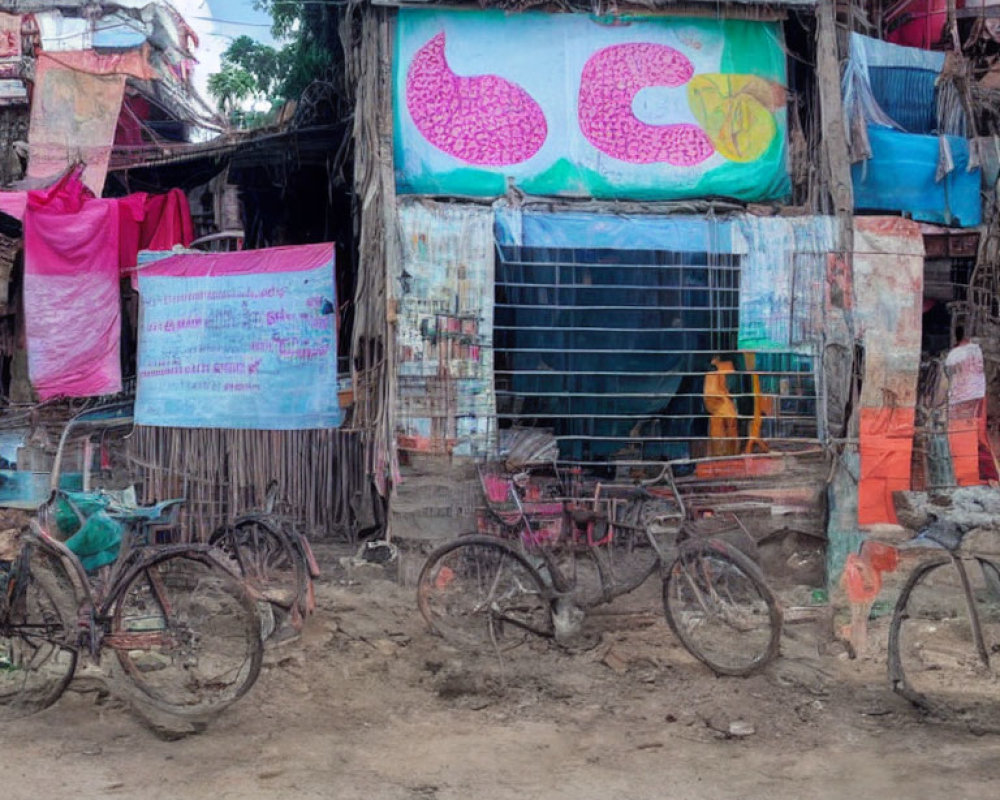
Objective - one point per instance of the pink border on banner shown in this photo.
(295, 258)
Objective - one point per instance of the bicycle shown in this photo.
(273, 557)
(270, 551)
(944, 638)
(555, 559)
(183, 625)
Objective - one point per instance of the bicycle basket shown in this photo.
(539, 519)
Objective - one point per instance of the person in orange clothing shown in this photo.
(723, 428)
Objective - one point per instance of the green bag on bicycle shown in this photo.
(96, 540)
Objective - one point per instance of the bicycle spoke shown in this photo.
(941, 657)
(476, 592)
(721, 610)
(187, 634)
(37, 655)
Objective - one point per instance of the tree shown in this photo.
(262, 62)
(312, 32)
(311, 51)
(231, 86)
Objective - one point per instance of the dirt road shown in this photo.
(367, 705)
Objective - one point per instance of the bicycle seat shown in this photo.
(585, 516)
(945, 533)
(162, 512)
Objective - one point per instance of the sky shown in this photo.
(217, 23)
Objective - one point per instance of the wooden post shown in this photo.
(836, 160)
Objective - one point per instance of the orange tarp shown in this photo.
(886, 451)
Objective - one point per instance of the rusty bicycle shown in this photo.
(555, 558)
(87, 576)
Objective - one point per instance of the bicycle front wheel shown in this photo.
(187, 633)
(477, 592)
(718, 604)
(37, 631)
(936, 659)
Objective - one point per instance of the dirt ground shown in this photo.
(368, 705)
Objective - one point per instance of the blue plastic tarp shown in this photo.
(119, 31)
(575, 230)
(900, 176)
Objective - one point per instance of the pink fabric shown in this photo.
(75, 246)
(71, 294)
(13, 203)
(245, 262)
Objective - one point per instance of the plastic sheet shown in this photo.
(881, 77)
(654, 108)
(59, 33)
(572, 230)
(888, 267)
(901, 176)
(74, 111)
(444, 290)
(783, 280)
(119, 30)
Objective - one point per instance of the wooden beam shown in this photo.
(836, 161)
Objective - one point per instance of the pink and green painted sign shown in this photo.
(569, 104)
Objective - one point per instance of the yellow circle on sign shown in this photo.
(734, 111)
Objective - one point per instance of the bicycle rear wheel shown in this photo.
(631, 555)
(935, 660)
(187, 633)
(718, 604)
(477, 592)
(37, 633)
(266, 558)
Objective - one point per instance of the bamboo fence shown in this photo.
(320, 473)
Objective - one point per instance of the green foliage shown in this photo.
(231, 86)
(311, 30)
(250, 68)
(260, 61)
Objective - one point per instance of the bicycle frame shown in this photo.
(94, 608)
(577, 527)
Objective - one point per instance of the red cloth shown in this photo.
(128, 131)
(167, 222)
(886, 449)
(153, 222)
(971, 453)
